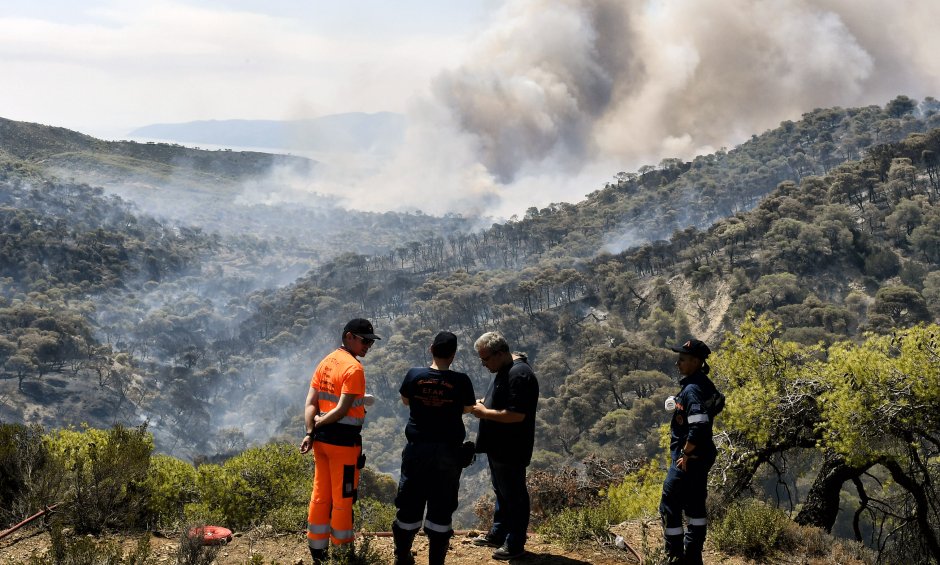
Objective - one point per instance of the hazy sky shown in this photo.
(511, 103)
(107, 67)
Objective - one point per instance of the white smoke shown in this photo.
(557, 90)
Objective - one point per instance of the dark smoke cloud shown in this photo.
(543, 76)
(558, 95)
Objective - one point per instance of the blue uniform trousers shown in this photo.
(430, 477)
(511, 512)
(685, 491)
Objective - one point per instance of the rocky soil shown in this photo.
(258, 546)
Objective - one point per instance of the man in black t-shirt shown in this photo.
(430, 463)
(507, 435)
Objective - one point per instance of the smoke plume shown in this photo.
(571, 91)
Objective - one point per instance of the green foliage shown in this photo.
(84, 550)
(106, 472)
(30, 477)
(752, 529)
(877, 404)
(246, 488)
(574, 525)
(171, 484)
(760, 377)
(373, 515)
(191, 549)
(882, 264)
(360, 552)
(901, 305)
(638, 495)
(381, 487)
(289, 518)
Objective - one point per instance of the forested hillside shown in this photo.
(807, 235)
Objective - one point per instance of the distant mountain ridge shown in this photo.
(51, 146)
(379, 132)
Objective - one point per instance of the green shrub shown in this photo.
(171, 484)
(574, 525)
(248, 486)
(359, 553)
(219, 500)
(752, 529)
(379, 486)
(203, 513)
(191, 550)
(30, 477)
(374, 516)
(290, 518)
(106, 473)
(638, 495)
(84, 550)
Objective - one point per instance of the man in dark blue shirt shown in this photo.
(507, 436)
(693, 454)
(430, 463)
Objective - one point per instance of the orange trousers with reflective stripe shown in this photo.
(335, 482)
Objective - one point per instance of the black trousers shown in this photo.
(430, 479)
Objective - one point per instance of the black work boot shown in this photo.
(403, 540)
(437, 546)
(319, 556)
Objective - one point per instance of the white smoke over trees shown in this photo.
(560, 94)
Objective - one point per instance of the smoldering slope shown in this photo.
(559, 95)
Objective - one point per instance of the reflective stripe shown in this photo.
(674, 531)
(359, 401)
(318, 528)
(409, 526)
(348, 420)
(342, 534)
(698, 418)
(318, 543)
(436, 527)
(698, 521)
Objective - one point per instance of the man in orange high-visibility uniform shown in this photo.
(334, 414)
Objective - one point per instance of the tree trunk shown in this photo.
(822, 501)
(921, 509)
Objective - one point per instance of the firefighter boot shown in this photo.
(319, 556)
(403, 540)
(437, 546)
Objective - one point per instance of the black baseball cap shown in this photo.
(445, 345)
(360, 327)
(693, 347)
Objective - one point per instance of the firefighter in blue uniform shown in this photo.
(693, 453)
(431, 464)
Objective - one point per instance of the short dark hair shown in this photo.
(444, 346)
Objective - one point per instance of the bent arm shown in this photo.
(337, 413)
(501, 416)
(310, 409)
(310, 413)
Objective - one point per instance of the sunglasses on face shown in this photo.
(365, 340)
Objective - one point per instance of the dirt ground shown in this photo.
(291, 549)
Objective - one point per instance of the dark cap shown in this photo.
(360, 327)
(694, 348)
(444, 346)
